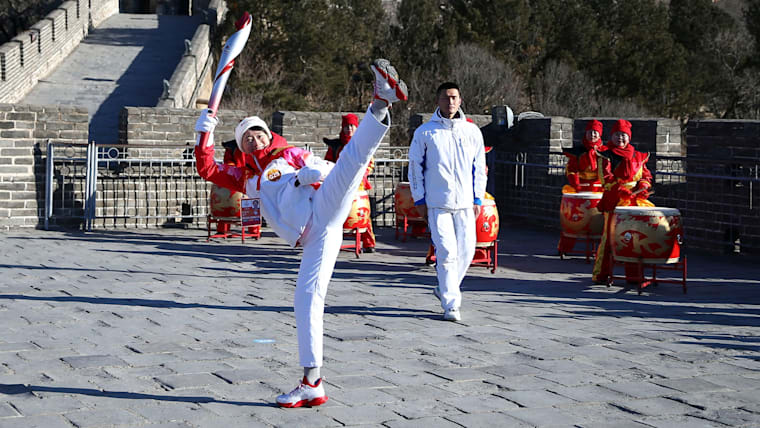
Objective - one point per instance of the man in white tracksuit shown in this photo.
(447, 176)
(306, 201)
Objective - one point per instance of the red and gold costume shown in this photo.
(333, 152)
(582, 173)
(581, 170)
(626, 181)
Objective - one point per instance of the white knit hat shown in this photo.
(248, 123)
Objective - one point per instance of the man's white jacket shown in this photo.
(447, 163)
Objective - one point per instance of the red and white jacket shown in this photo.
(286, 208)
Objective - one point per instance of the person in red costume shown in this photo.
(582, 171)
(626, 181)
(349, 123)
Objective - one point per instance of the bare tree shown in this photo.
(485, 80)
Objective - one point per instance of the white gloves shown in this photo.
(308, 175)
(314, 172)
(206, 123)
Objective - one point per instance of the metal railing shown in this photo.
(123, 185)
(91, 185)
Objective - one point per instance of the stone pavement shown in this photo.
(121, 63)
(158, 328)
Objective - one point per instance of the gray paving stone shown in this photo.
(295, 417)
(480, 403)
(638, 389)
(357, 382)
(535, 398)
(689, 385)
(6, 411)
(184, 381)
(422, 422)
(103, 417)
(357, 397)
(656, 406)
(679, 422)
(163, 411)
(42, 421)
(588, 393)
(731, 417)
(362, 414)
(487, 420)
(93, 361)
(583, 352)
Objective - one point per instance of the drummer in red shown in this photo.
(349, 123)
(626, 181)
(582, 172)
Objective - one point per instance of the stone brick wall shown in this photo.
(158, 126)
(725, 211)
(34, 53)
(307, 129)
(192, 80)
(24, 133)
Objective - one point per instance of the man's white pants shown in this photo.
(453, 234)
(323, 237)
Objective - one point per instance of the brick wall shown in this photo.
(191, 82)
(34, 53)
(725, 211)
(24, 133)
(307, 129)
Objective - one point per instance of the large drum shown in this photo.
(487, 223)
(224, 202)
(359, 217)
(404, 202)
(579, 216)
(650, 234)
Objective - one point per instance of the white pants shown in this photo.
(453, 233)
(323, 237)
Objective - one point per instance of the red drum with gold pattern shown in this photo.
(224, 202)
(579, 216)
(650, 234)
(359, 217)
(404, 202)
(487, 223)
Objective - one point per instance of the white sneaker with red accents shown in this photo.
(388, 87)
(305, 394)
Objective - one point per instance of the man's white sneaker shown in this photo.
(452, 315)
(388, 87)
(305, 394)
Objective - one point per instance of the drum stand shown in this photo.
(591, 243)
(643, 281)
(491, 257)
(354, 234)
(403, 223)
(254, 231)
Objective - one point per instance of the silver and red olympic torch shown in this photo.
(232, 49)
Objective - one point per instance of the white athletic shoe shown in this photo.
(452, 315)
(388, 87)
(305, 394)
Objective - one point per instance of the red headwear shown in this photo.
(623, 126)
(626, 152)
(347, 119)
(590, 155)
